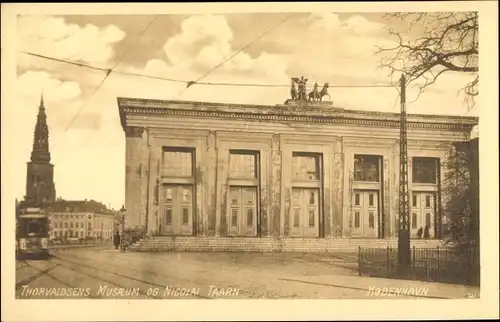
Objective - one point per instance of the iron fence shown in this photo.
(443, 265)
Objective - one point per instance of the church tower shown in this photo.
(40, 187)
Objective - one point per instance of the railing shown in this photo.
(443, 265)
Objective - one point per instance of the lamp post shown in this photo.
(122, 211)
(102, 227)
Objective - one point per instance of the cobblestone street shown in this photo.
(107, 273)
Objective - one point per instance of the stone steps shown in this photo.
(226, 244)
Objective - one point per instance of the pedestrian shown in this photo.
(116, 240)
(123, 244)
(427, 234)
(419, 233)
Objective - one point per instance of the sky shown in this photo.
(86, 138)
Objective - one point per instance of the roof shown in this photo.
(93, 206)
(322, 112)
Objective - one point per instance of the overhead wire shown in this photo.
(190, 83)
(388, 85)
(108, 72)
(233, 55)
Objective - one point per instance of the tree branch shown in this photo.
(449, 44)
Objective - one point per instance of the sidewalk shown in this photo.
(269, 275)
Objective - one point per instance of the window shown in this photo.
(242, 165)
(356, 219)
(366, 168)
(305, 166)
(178, 162)
(425, 170)
(370, 199)
(414, 200)
(356, 199)
(244, 185)
(414, 220)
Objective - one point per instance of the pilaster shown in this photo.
(275, 187)
(135, 176)
(338, 188)
(210, 179)
(154, 188)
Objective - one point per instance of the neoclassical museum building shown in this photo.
(291, 170)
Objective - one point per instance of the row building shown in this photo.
(82, 219)
(291, 170)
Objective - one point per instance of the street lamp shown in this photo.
(122, 211)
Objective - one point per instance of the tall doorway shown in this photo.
(422, 213)
(365, 211)
(177, 212)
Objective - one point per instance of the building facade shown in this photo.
(80, 219)
(309, 171)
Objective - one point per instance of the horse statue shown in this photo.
(314, 95)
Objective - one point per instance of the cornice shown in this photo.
(280, 113)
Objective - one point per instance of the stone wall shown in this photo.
(212, 135)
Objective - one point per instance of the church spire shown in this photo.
(40, 152)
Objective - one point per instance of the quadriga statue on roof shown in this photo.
(298, 91)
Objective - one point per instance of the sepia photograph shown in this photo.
(275, 154)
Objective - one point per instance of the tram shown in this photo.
(32, 233)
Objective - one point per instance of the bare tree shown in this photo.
(446, 42)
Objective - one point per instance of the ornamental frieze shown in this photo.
(298, 119)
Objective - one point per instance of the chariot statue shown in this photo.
(302, 90)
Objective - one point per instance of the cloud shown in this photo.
(79, 166)
(200, 37)
(205, 41)
(52, 36)
(353, 25)
(325, 48)
(19, 119)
